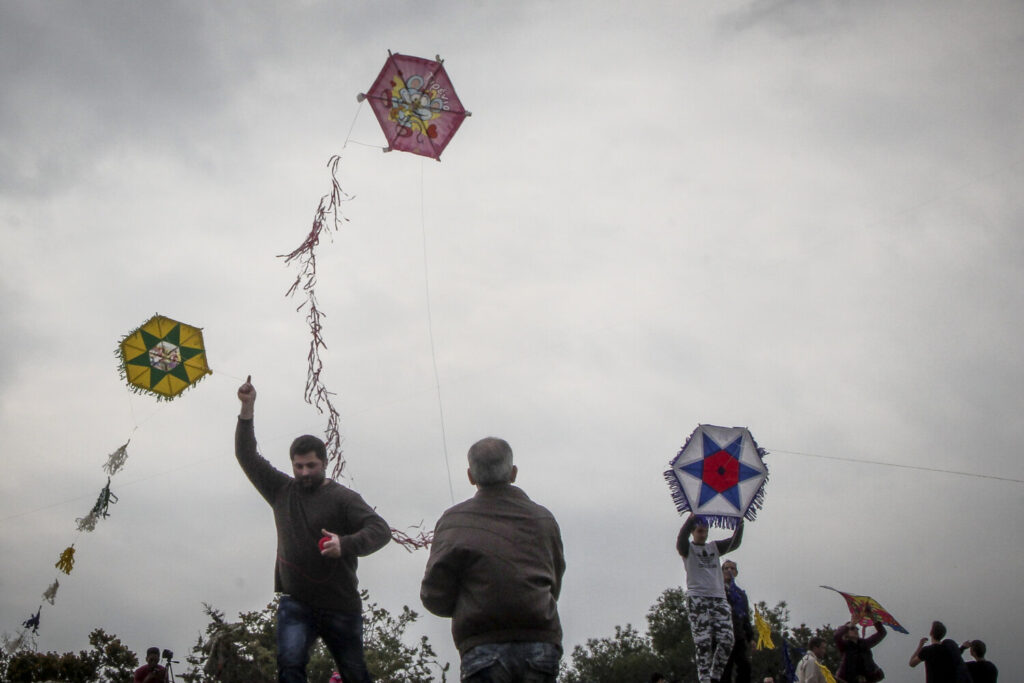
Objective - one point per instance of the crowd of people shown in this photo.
(495, 569)
(719, 615)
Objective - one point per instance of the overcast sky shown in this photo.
(800, 217)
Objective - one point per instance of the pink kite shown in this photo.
(416, 105)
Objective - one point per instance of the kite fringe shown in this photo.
(758, 501)
(678, 497)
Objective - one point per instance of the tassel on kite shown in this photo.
(50, 594)
(32, 622)
(100, 509)
(67, 559)
(764, 632)
(116, 460)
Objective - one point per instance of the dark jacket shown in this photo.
(856, 655)
(495, 567)
(301, 571)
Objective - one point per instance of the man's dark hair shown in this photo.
(306, 443)
(978, 648)
(938, 631)
(657, 677)
(153, 650)
(815, 642)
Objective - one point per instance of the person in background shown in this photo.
(981, 670)
(742, 628)
(809, 668)
(152, 671)
(941, 657)
(857, 664)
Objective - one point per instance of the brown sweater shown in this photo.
(495, 568)
(301, 571)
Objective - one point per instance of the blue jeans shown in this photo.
(511, 663)
(298, 626)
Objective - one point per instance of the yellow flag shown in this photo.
(764, 632)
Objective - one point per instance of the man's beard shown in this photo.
(311, 482)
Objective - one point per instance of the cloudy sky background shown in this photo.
(801, 217)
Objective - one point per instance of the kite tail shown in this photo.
(421, 540)
(328, 218)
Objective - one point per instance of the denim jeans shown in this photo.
(511, 663)
(298, 626)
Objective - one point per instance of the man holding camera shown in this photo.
(152, 672)
(322, 528)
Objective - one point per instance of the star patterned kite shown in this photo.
(163, 357)
(719, 474)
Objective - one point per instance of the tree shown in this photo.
(109, 661)
(245, 651)
(626, 656)
(668, 622)
(668, 647)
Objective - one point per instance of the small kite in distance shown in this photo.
(867, 611)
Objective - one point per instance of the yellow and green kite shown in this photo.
(163, 357)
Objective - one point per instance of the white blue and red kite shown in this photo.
(719, 474)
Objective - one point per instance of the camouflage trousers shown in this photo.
(711, 627)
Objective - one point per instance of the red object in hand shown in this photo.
(323, 541)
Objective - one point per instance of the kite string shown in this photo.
(902, 466)
(430, 334)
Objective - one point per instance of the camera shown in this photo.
(168, 654)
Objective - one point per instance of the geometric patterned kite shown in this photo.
(719, 474)
(163, 357)
(867, 610)
(416, 105)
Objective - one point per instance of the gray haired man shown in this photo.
(495, 569)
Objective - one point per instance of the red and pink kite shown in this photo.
(416, 105)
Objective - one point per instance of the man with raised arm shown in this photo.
(942, 660)
(322, 527)
(495, 568)
(708, 609)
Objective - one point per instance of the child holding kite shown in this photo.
(706, 603)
